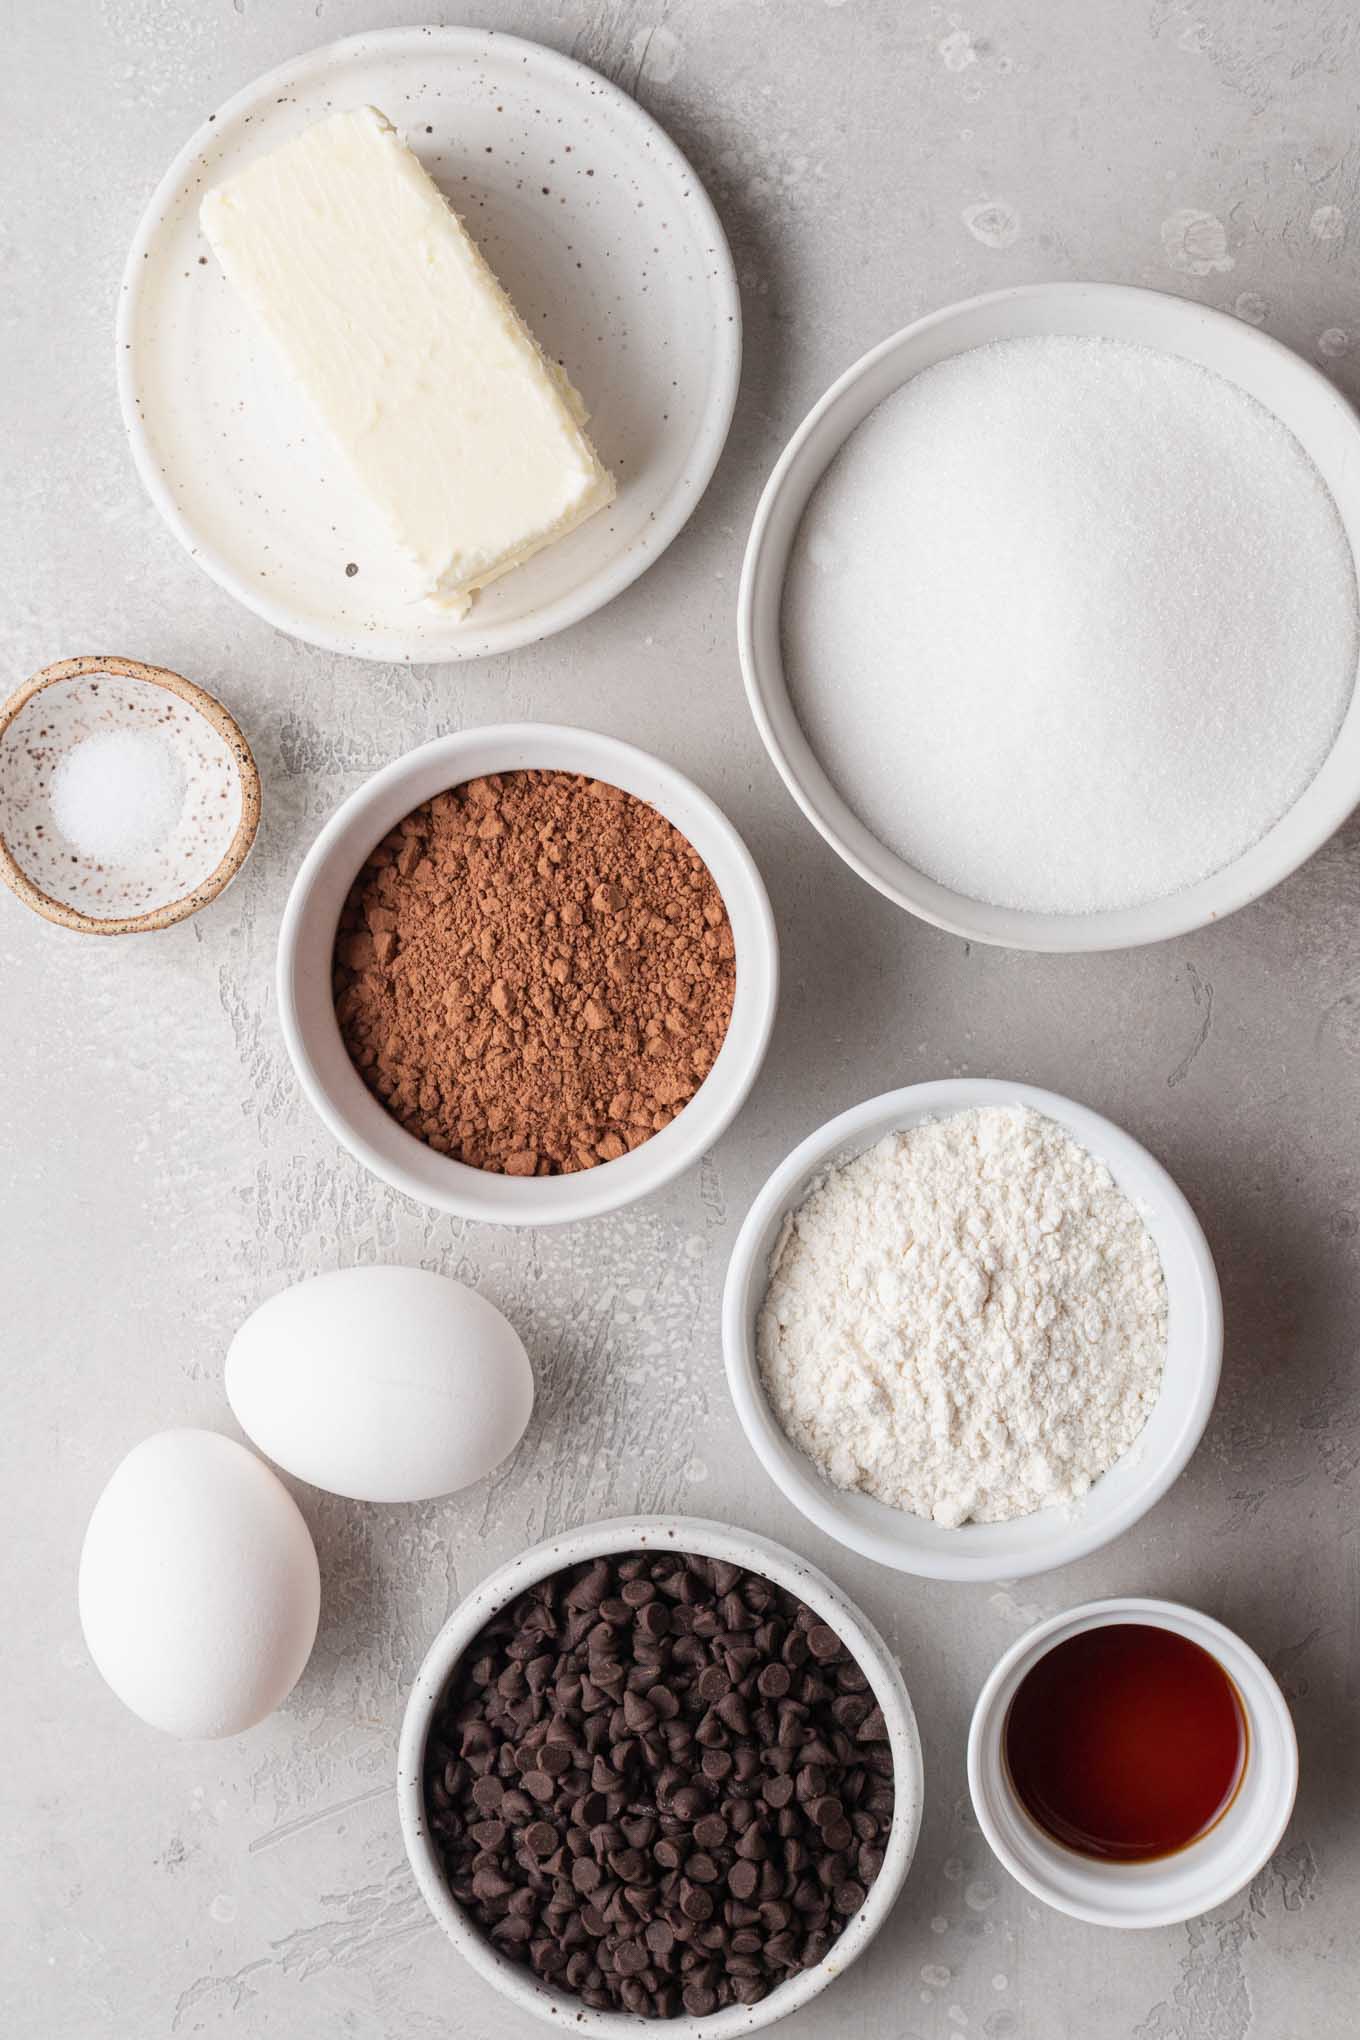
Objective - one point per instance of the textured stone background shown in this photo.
(871, 160)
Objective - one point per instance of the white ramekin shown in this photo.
(711, 1540)
(307, 1014)
(1049, 1537)
(1298, 395)
(1176, 1887)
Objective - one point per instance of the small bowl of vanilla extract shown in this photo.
(1132, 1763)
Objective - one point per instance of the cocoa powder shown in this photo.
(534, 973)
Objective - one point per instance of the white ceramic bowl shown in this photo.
(1177, 1887)
(1295, 392)
(307, 1014)
(1050, 1537)
(711, 1540)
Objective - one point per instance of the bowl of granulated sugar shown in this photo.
(1048, 617)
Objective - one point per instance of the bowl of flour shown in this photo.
(1049, 619)
(972, 1329)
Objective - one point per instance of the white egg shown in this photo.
(199, 1588)
(383, 1384)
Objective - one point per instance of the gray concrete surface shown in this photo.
(161, 1174)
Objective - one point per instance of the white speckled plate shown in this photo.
(609, 247)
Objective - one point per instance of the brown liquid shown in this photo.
(1126, 1742)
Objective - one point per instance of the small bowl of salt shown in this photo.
(128, 796)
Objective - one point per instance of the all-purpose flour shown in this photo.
(967, 1321)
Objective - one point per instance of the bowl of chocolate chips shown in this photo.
(659, 1770)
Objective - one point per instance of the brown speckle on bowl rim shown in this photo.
(213, 713)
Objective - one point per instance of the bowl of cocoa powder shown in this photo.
(527, 974)
(658, 1771)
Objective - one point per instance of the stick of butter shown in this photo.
(469, 441)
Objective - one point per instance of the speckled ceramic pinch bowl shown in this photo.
(711, 1540)
(205, 848)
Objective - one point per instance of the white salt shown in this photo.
(118, 795)
(1070, 623)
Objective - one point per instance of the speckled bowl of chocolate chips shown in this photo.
(659, 1771)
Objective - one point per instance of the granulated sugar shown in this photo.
(1070, 623)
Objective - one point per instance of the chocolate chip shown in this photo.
(638, 1714)
(848, 1710)
(873, 1728)
(731, 1712)
(773, 1682)
(695, 1902)
(660, 1938)
(811, 1781)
